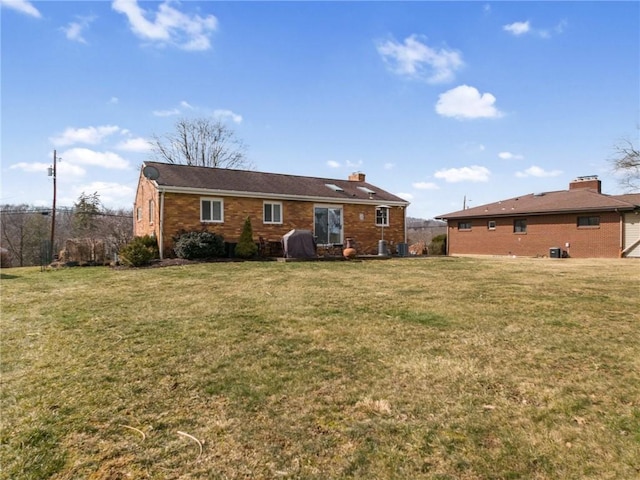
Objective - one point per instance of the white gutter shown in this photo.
(161, 235)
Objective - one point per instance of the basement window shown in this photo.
(466, 225)
(211, 210)
(588, 221)
(520, 226)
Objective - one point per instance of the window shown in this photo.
(464, 225)
(491, 224)
(587, 221)
(382, 216)
(328, 225)
(211, 210)
(151, 211)
(520, 226)
(272, 213)
(139, 213)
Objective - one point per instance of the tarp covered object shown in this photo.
(299, 244)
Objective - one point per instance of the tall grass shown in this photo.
(411, 368)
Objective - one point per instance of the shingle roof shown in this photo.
(222, 180)
(564, 201)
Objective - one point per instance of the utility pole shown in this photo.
(52, 173)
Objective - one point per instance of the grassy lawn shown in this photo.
(443, 368)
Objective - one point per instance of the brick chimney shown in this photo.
(590, 181)
(356, 177)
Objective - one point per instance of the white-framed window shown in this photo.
(382, 216)
(327, 224)
(212, 210)
(491, 224)
(464, 225)
(272, 212)
(151, 212)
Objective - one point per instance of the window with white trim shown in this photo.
(272, 212)
(211, 210)
(151, 211)
(491, 224)
(382, 217)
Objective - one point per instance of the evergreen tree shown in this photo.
(246, 247)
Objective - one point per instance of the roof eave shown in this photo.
(276, 196)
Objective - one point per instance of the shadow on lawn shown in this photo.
(4, 276)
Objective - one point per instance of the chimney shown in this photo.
(356, 177)
(590, 181)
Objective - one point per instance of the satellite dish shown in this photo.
(150, 172)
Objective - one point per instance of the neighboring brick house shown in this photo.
(176, 198)
(581, 222)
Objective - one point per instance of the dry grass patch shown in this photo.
(410, 368)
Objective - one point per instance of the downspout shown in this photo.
(161, 228)
(621, 247)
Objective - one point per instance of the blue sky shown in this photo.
(433, 101)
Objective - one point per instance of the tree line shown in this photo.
(25, 230)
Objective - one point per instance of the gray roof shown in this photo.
(577, 200)
(269, 185)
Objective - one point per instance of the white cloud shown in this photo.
(85, 156)
(465, 102)
(138, 144)
(227, 114)
(510, 156)
(535, 171)
(474, 173)
(170, 26)
(333, 164)
(354, 165)
(186, 105)
(74, 30)
(405, 196)
(22, 6)
(88, 135)
(166, 113)
(30, 167)
(114, 100)
(517, 28)
(425, 186)
(389, 166)
(415, 59)
(525, 28)
(110, 193)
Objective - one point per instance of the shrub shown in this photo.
(196, 245)
(246, 247)
(139, 251)
(438, 245)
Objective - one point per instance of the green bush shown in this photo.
(438, 245)
(139, 251)
(198, 245)
(246, 247)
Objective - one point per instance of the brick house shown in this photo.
(581, 222)
(175, 198)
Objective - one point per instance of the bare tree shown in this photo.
(201, 142)
(626, 162)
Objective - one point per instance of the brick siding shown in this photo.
(182, 213)
(543, 233)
